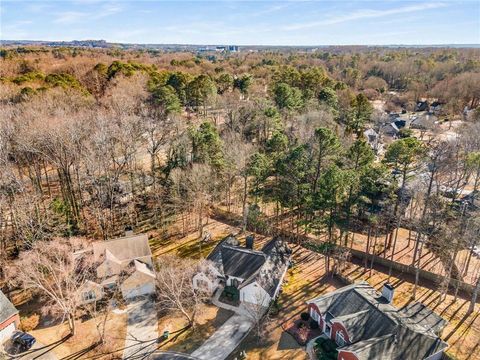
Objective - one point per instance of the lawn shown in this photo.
(187, 340)
(462, 332)
(86, 336)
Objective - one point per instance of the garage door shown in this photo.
(5, 333)
(140, 291)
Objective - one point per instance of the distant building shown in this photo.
(422, 106)
(372, 138)
(390, 129)
(365, 326)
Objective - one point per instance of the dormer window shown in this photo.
(339, 339)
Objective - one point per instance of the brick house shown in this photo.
(365, 325)
(9, 318)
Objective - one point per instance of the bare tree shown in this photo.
(175, 287)
(52, 270)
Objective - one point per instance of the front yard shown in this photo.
(84, 343)
(187, 340)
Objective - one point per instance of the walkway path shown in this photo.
(225, 339)
(142, 330)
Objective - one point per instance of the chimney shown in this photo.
(388, 292)
(128, 231)
(249, 241)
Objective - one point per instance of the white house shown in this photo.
(9, 318)
(255, 276)
(125, 262)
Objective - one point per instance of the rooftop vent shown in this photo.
(388, 291)
(249, 240)
(128, 231)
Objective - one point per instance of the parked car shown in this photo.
(25, 340)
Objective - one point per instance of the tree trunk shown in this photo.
(474, 296)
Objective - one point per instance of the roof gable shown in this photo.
(123, 249)
(7, 310)
(379, 330)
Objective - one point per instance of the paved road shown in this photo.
(142, 330)
(225, 339)
(170, 355)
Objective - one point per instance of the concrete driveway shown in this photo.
(225, 339)
(142, 330)
(37, 352)
(170, 355)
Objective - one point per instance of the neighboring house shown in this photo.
(255, 276)
(436, 107)
(372, 138)
(365, 325)
(390, 129)
(124, 262)
(9, 318)
(422, 106)
(91, 291)
(423, 122)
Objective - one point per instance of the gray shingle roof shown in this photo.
(419, 314)
(265, 267)
(241, 263)
(270, 274)
(7, 310)
(124, 249)
(378, 330)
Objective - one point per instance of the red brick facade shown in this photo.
(338, 327)
(345, 355)
(15, 318)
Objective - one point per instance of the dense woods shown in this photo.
(92, 141)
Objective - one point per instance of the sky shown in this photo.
(339, 22)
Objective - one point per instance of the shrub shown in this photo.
(313, 324)
(305, 316)
(29, 323)
(329, 346)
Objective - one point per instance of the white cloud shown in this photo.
(69, 17)
(365, 14)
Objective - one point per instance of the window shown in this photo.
(340, 340)
(328, 329)
(202, 284)
(89, 295)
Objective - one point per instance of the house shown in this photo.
(90, 292)
(365, 325)
(254, 276)
(9, 318)
(422, 106)
(372, 138)
(390, 129)
(125, 262)
(423, 122)
(436, 107)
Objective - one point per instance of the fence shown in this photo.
(358, 254)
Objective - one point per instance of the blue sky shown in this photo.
(244, 22)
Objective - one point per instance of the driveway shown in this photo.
(142, 330)
(37, 352)
(225, 339)
(170, 355)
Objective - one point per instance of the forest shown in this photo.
(94, 141)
